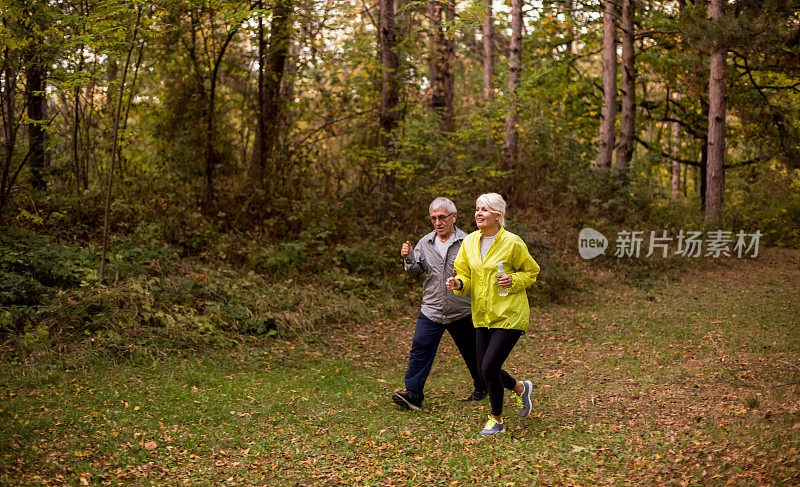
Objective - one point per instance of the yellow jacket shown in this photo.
(489, 309)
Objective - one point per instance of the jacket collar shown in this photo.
(460, 235)
(497, 235)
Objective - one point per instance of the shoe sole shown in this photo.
(526, 393)
(401, 401)
(492, 434)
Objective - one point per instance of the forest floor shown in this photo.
(693, 379)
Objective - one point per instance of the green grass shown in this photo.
(692, 381)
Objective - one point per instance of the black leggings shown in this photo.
(493, 346)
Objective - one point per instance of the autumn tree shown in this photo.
(488, 51)
(628, 110)
(608, 115)
(441, 15)
(716, 119)
(510, 152)
(272, 65)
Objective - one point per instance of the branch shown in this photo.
(666, 154)
(653, 32)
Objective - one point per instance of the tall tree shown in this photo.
(115, 134)
(390, 87)
(441, 14)
(35, 86)
(509, 161)
(36, 68)
(608, 115)
(488, 51)
(260, 149)
(717, 105)
(628, 111)
(10, 121)
(269, 112)
(676, 165)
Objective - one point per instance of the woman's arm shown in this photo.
(463, 272)
(527, 268)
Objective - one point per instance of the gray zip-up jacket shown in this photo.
(438, 304)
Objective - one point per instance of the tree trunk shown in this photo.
(570, 20)
(628, 112)
(676, 166)
(608, 116)
(129, 103)
(441, 14)
(509, 161)
(390, 90)
(275, 64)
(211, 155)
(35, 87)
(703, 173)
(259, 149)
(115, 134)
(9, 129)
(488, 51)
(716, 122)
(389, 63)
(76, 161)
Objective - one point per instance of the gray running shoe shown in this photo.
(493, 427)
(524, 400)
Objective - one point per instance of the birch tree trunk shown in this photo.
(715, 170)
(608, 115)
(628, 112)
(509, 161)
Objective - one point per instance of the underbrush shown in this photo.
(52, 299)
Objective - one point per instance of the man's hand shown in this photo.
(504, 281)
(406, 249)
(453, 283)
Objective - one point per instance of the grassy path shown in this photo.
(692, 381)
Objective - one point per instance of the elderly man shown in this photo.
(441, 310)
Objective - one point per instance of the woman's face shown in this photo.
(484, 218)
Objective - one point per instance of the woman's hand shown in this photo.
(504, 281)
(453, 284)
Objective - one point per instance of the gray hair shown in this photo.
(442, 202)
(495, 203)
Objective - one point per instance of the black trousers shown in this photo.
(494, 346)
(427, 336)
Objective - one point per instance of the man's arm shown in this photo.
(413, 260)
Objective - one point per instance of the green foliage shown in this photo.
(779, 222)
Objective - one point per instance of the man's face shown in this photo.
(443, 222)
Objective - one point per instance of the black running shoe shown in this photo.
(477, 395)
(407, 399)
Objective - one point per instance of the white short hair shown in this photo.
(495, 203)
(442, 202)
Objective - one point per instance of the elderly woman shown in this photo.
(500, 310)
